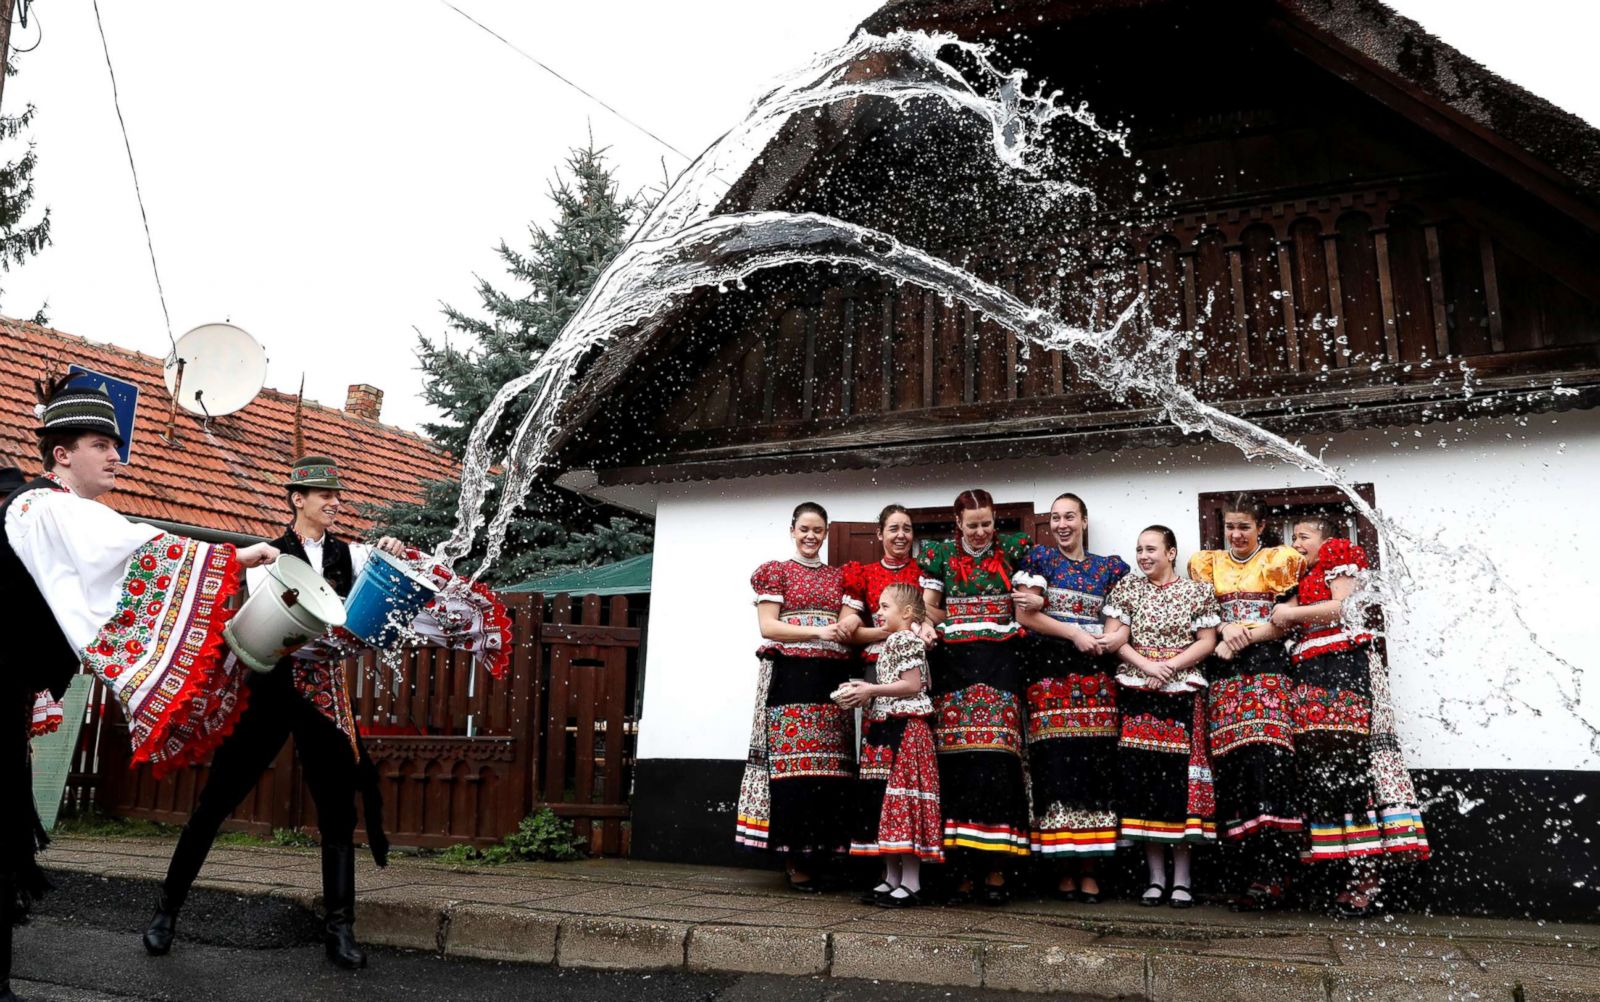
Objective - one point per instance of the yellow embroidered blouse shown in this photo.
(1247, 589)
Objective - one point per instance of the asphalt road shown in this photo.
(85, 947)
(60, 962)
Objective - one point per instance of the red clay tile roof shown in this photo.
(226, 478)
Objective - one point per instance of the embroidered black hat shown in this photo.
(78, 407)
(314, 471)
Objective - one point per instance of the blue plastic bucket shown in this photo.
(387, 596)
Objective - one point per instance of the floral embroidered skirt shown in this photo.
(1334, 754)
(1252, 742)
(1072, 750)
(810, 755)
(1163, 769)
(898, 813)
(977, 732)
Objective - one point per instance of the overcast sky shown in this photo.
(324, 175)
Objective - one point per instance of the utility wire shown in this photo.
(116, 102)
(569, 83)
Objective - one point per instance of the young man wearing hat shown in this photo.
(312, 702)
(142, 608)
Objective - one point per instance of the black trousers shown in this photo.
(274, 712)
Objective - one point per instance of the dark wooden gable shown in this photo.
(1354, 260)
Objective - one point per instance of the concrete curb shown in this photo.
(400, 917)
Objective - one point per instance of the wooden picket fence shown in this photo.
(462, 757)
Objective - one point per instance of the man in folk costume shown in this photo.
(141, 608)
(310, 700)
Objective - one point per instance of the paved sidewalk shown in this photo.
(629, 915)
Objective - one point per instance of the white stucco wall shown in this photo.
(1524, 493)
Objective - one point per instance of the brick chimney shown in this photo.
(364, 401)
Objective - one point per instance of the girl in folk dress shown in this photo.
(1251, 734)
(977, 677)
(899, 777)
(1163, 627)
(1357, 794)
(796, 792)
(1072, 699)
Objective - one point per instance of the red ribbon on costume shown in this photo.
(964, 568)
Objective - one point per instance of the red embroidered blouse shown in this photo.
(864, 585)
(806, 596)
(1338, 557)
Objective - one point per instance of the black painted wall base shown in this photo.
(1505, 842)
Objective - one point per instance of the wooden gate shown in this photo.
(461, 757)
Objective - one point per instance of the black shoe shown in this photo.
(996, 895)
(163, 928)
(910, 899)
(1089, 899)
(339, 898)
(809, 886)
(1177, 903)
(874, 896)
(1150, 902)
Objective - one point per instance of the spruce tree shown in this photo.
(479, 353)
(19, 239)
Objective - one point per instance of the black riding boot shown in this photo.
(339, 901)
(187, 858)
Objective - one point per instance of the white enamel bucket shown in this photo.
(292, 606)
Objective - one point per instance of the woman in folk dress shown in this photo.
(1358, 798)
(1251, 733)
(900, 820)
(1072, 699)
(1163, 627)
(797, 788)
(978, 681)
(864, 582)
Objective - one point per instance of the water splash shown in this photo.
(685, 245)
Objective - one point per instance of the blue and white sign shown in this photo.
(124, 398)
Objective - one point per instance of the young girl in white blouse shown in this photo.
(900, 818)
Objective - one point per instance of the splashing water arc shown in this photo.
(684, 245)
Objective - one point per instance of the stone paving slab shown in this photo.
(633, 915)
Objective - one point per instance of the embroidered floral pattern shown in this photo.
(1075, 590)
(903, 651)
(864, 585)
(809, 739)
(806, 596)
(1076, 706)
(1320, 709)
(1337, 557)
(1152, 733)
(977, 590)
(161, 651)
(1248, 589)
(977, 718)
(1250, 709)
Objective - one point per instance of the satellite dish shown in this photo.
(215, 370)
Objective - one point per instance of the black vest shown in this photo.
(42, 658)
(337, 568)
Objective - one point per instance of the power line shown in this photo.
(149, 242)
(569, 83)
